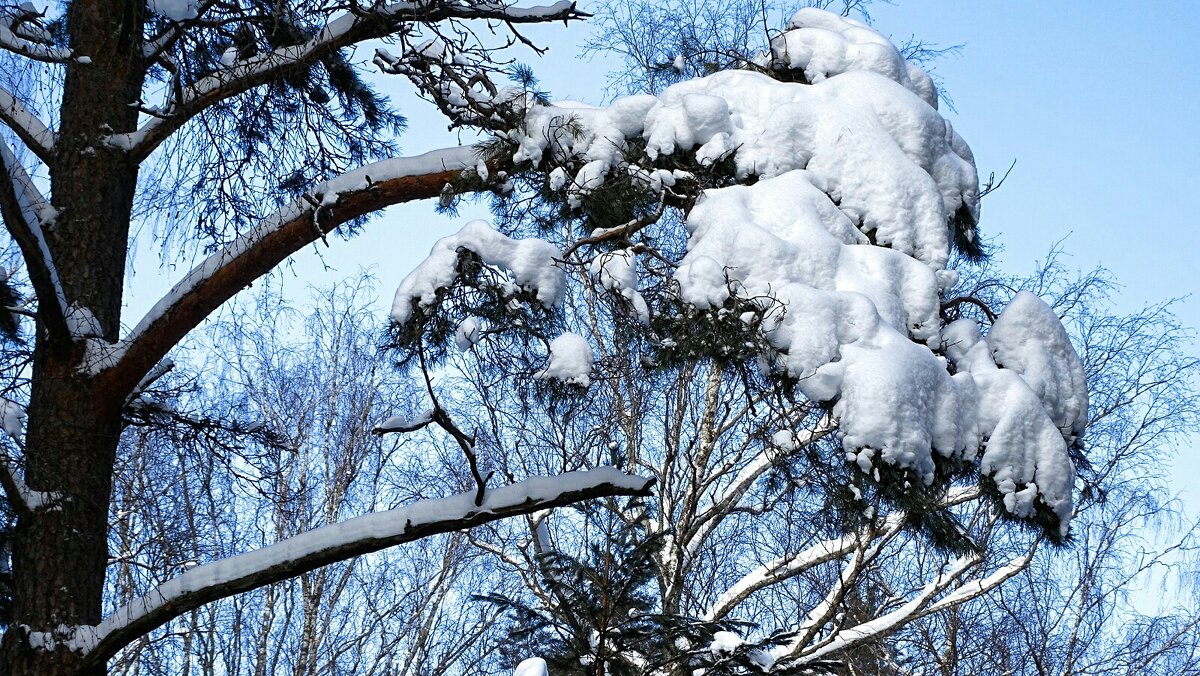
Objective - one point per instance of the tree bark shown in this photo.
(60, 549)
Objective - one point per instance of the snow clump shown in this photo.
(529, 261)
(571, 360)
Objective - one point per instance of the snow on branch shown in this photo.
(340, 542)
(709, 518)
(346, 30)
(785, 567)
(25, 212)
(280, 235)
(21, 35)
(32, 132)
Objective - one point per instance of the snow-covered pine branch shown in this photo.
(291, 228)
(363, 24)
(855, 193)
(26, 212)
(339, 542)
(26, 125)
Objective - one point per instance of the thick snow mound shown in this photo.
(842, 232)
(1029, 339)
(529, 261)
(822, 45)
(571, 360)
(534, 666)
(893, 166)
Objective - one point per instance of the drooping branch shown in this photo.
(346, 30)
(31, 130)
(282, 234)
(339, 542)
(25, 211)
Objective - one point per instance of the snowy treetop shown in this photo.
(846, 193)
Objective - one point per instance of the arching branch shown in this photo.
(257, 252)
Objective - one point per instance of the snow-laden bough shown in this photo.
(851, 192)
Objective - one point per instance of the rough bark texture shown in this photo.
(60, 551)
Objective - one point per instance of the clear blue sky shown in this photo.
(1097, 101)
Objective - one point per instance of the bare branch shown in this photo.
(346, 30)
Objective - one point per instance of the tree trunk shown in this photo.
(60, 550)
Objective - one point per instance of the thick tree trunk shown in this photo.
(60, 549)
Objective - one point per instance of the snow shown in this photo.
(724, 643)
(468, 333)
(12, 416)
(822, 45)
(892, 164)
(617, 272)
(19, 34)
(571, 360)
(37, 212)
(842, 238)
(856, 182)
(1029, 339)
(400, 423)
(353, 181)
(379, 526)
(534, 666)
(25, 122)
(531, 263)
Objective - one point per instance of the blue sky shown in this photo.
(1097, 101)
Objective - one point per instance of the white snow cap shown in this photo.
(12, 417)
(534, 666)
(571, 360)
(468, 333)
(725, 643)
(823, 44)
(530, 262)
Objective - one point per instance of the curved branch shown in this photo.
(12, 42)
(971, 300)
(339, 542)
(346, 30)
(257, 252)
